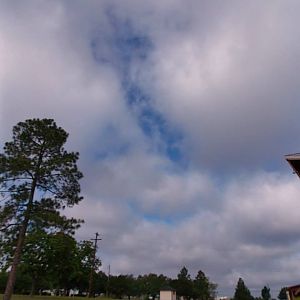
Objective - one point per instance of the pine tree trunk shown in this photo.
(33, 284)
(20, 242)
(17, 256)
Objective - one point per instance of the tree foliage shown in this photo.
(241, 291)
(35, 258)
(38, 179)
(73, 273)
(151, 284)
(122, 285)
(56, 262)
(203, 288)
(184, 284)
(265, 293)
(148, 286)
(282, 294)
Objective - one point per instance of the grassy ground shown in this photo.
(37, 297)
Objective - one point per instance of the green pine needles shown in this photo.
(38, 179)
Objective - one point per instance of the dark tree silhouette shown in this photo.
(241, 291)
(38, 178)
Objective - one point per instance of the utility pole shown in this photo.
(107, 283)
(90, 292)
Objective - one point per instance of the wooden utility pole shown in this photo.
(107, 283)
(90, 292)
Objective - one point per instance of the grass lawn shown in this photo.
(37, 297)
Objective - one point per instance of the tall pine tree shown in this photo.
(203, 288)
(241, 291)
(265, 293)
(38, 179)
(184, 284)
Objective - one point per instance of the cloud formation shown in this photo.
(182, 115)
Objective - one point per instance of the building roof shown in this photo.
(295, 290)
(294, 161)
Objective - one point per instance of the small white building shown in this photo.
(167, 293)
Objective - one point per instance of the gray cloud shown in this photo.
(223, 74)
(228, 81)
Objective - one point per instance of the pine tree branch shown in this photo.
(47, 189)
(4, 228)
(16, 178)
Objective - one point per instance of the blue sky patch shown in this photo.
(131, 45)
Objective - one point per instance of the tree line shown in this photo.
(65, 275)
(242, 292)
(72, 275)
(55, 262)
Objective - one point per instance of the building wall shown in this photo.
(167, 295)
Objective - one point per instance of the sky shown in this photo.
(182, 112)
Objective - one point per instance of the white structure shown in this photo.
(167, 293)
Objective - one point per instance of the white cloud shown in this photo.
(227, 82)
(268, 203)
(225, 75)
(255, 226)
(48, 71)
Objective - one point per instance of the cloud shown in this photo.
(265, 203)
(226, 82)
(48, 71)
(150, 184)
(255, 226)
(181, 116)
